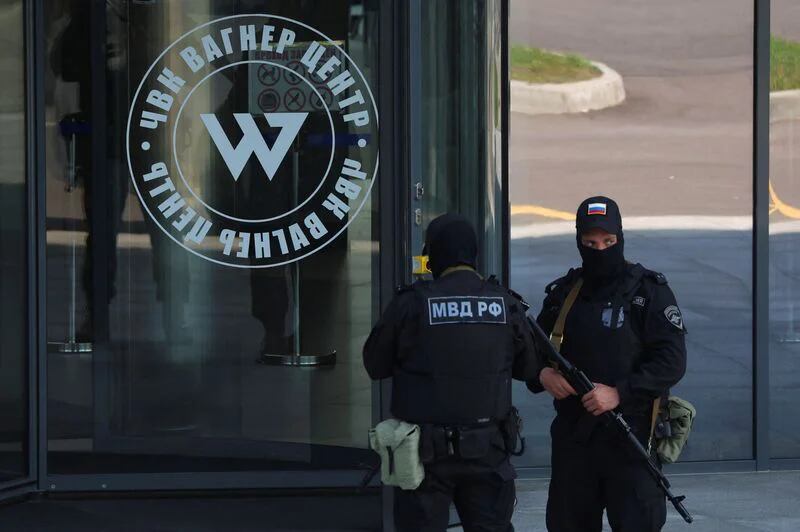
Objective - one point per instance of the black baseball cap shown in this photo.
(598, 211)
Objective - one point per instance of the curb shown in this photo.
(784, 105)
(579, 97)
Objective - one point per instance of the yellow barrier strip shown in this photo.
(542, 211)
(781, 207)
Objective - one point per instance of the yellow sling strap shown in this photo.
(557, 336)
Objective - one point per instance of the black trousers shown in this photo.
(483, 492)
(599, 474)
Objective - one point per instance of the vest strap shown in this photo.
(557, 335)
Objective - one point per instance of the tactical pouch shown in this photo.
(680, 415)
(474, 442)
(398, 445)
(512, 433)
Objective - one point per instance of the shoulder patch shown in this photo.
(673, 315)
(466, 309)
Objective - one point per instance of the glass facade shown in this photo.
(784, 233)
(13, 258)
(175, 377)
(455, 175)
(215, 235)
(676, 152)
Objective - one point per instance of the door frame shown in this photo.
(34, 151)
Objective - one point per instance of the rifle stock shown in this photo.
(581, 383)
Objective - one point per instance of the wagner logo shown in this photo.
(252, 141)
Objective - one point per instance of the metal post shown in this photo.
(34, 111)
(38, 230)
(72, 126)
(296, 358)
(296, 264)
(417, 217)
(761, 235)
(505, 106)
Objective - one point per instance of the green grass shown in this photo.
(535, 65)
(784, 64)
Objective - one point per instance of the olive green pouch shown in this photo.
(680, 414)
(397, 443)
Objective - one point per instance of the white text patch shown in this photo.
(466, 309)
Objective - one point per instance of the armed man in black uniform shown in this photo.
(625, 331)
(452, 346)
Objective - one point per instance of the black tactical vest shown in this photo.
(602, 336)
(458, 370)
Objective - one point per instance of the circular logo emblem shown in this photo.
(252, 141)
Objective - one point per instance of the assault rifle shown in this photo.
(581, 383)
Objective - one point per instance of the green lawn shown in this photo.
(535, 65)
(784, 64)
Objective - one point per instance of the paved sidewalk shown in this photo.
(731, 502)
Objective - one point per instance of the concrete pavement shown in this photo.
(736, 502)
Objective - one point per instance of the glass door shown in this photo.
(456, 120)
(15, 367)
(212, 238)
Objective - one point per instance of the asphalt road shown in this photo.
(786, 19)
(680, 144)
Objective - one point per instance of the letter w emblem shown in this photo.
(253, 142)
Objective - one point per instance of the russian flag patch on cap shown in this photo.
(597, 208)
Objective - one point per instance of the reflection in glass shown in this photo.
(13, 263)
(173, 381)
(784, 239)
(462, 147)
(677, 156)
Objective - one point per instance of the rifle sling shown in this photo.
(557, 336)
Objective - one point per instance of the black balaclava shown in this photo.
(601, 266)
(450, 241)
